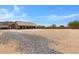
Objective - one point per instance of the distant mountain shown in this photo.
(6, 23)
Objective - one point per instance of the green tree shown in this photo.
(73, 24)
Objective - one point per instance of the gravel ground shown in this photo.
(29, 44)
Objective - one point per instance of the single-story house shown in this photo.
(23, 25)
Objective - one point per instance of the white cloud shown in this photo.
(24, 15)
(72, 15)
(3, 10)
(14, 15)
(16, 8)
(59, 17)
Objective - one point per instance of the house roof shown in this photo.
(25, 23)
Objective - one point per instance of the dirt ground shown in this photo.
(10, 47)
(66, 40)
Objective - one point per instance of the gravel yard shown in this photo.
(28, 43)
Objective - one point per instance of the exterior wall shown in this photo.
(26, 27)
(4, 27)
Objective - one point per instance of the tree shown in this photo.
(61, 25)
(53, 26)
(73, 24)
(41, 26)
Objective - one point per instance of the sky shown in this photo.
(40, 14)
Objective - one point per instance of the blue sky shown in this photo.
(40, 14)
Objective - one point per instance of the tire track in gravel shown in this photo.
(29, 44)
